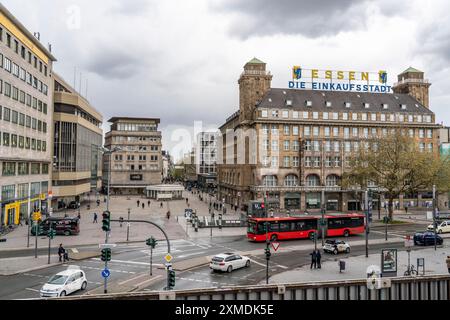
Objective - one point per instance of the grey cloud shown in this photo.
(131, 8)
(308, 18)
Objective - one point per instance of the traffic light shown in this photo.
(267, 252)
(171, 279)
(106, 221)
(106, 254)
(37, 229)
(151, 242)
(51, 233)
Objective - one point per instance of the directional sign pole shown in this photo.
(36, 231)
(151, 262)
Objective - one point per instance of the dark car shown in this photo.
(73, 205)
(63, 226)
(426, 239)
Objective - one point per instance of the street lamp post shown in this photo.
(434, 214)
(366, 208)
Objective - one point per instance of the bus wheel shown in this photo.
(346, 233)
(274, 237)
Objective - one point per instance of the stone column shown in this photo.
(303, 200)
(282, 200)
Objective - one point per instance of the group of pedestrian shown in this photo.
(315, 259)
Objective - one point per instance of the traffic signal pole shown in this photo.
(36, 229)
(366, 208)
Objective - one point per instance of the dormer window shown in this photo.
(366, 105)
(308, 103)
(289, 102)
(275, 113)
(403, 106)
(328, 103)
(385, 105)
(347, 104)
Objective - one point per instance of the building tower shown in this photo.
(254, 82)
(411, 81)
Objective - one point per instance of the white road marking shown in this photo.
(190, 254)
(261, 264)
(31, 289)
(132, 262)
(131, 279)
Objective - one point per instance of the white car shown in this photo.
(443, 227)
(64, 283)
(336, 246)
(228, 262)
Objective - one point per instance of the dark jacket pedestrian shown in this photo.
(143, 205)
(161, 205)
(98, 202)
(95, 218)
(318, 257)
(79, 215)
(148, 203)
(138, 202)
(168, 215)
(61, 252)
(313, 259)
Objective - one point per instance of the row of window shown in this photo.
(131, 157)
(22, 142)
(22, 97)
(135, 167)
(335, 131)
(291, 180)
(24, 190)
(23, 75)
(326, 145)
(24, 53)
(138, 148)
(355, 116)
(136, 127)
(23, 168)
(23, 120)
(133, 139)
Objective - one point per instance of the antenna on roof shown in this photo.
(49, 47)
(74, 76)
(37, 35)
(86, 88)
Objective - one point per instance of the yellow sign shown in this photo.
(37, 216)
(168, 257)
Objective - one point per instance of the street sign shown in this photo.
(409, 242)
(168, 257)
(107, 245)
(106, 273)
(275, 245)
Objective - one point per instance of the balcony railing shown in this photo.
(404, 81)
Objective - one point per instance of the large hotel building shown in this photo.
(305, 139)
(26, 110)
(138, 163)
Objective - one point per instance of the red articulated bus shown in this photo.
(284, 228)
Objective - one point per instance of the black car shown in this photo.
(63, 226)
(73, 205)
(426, 239)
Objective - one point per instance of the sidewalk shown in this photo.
(356, 267)
(11, 266)
(91, 233)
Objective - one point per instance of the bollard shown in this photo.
(341, 265)
(220, 221)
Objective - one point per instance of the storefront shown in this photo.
(164, 192)
(313, 200)
(292, 200)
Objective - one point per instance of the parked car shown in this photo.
(442, 227)
(64, 226)
(336, 246)
(228, 262)
(427, 239)
(64, 283)
(73, 205)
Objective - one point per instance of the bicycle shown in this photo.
(411, 271)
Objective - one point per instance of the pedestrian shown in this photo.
(161, 205)
(313, 259)
(148, 203)
(95, 218)
(168, 215)
(187, 200)
(143, 205)
(79, 215)
(448, 263)
(318, 257)
(406, 209)
(137, 202)
(61, 252)
(98, 202)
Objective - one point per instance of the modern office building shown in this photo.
(26, 112)
(206, 159)
(302, 139)
(78, 137)
(139, 161)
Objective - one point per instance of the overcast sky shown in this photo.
(180, 60)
